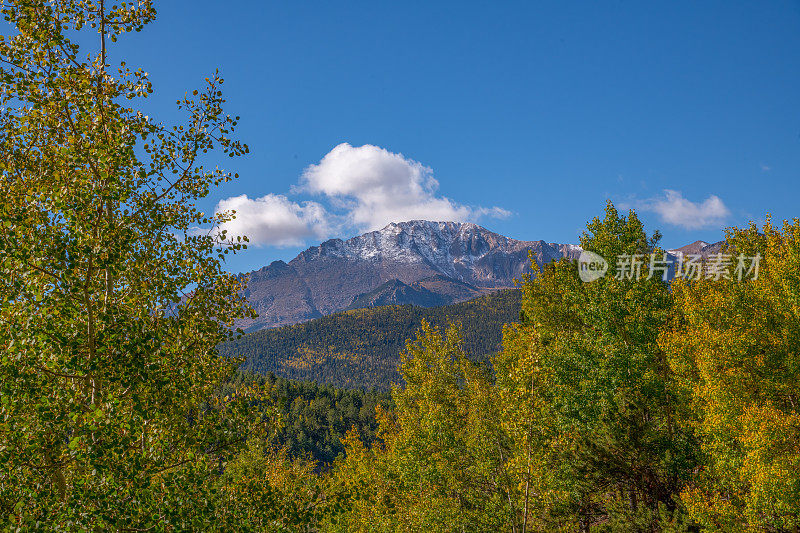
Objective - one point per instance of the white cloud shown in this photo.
(492, 212)
(377, 186)
(367, 187)
(674, 209)
(274, 220)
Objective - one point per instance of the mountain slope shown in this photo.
(451, 289)
(428, 292)
(328, 278)
(360, 348)
(395, 292)
(700, 248)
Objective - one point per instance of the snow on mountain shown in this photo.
(449, 247)
(330, 277)
(701, 248)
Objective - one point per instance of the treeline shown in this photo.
(361, 348)
(313, 419)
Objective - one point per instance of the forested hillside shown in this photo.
(314, 418)
(360, 348)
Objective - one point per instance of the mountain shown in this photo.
(436, 263)
(455, 290)
(427, 292)
(700, 248)
(361, 348)
(395, 292)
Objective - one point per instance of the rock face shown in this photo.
(396, 292)
(426, 263)
(700, 248)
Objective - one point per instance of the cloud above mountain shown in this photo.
(275, 220)
(378, 186)
(674, 209)
(366, 188)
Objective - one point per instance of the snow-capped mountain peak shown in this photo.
(440, 243)
(328, 277)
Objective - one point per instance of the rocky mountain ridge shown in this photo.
(438, 262)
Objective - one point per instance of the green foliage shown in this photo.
(280, 482)
(587, 394)
(440, 466)
(264, 489)
(109, 416)
(315, 418)
(735, 346)
(361, 348)
(616, 405)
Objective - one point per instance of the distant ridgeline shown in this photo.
(361, 348)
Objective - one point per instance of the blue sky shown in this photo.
(528, 115)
